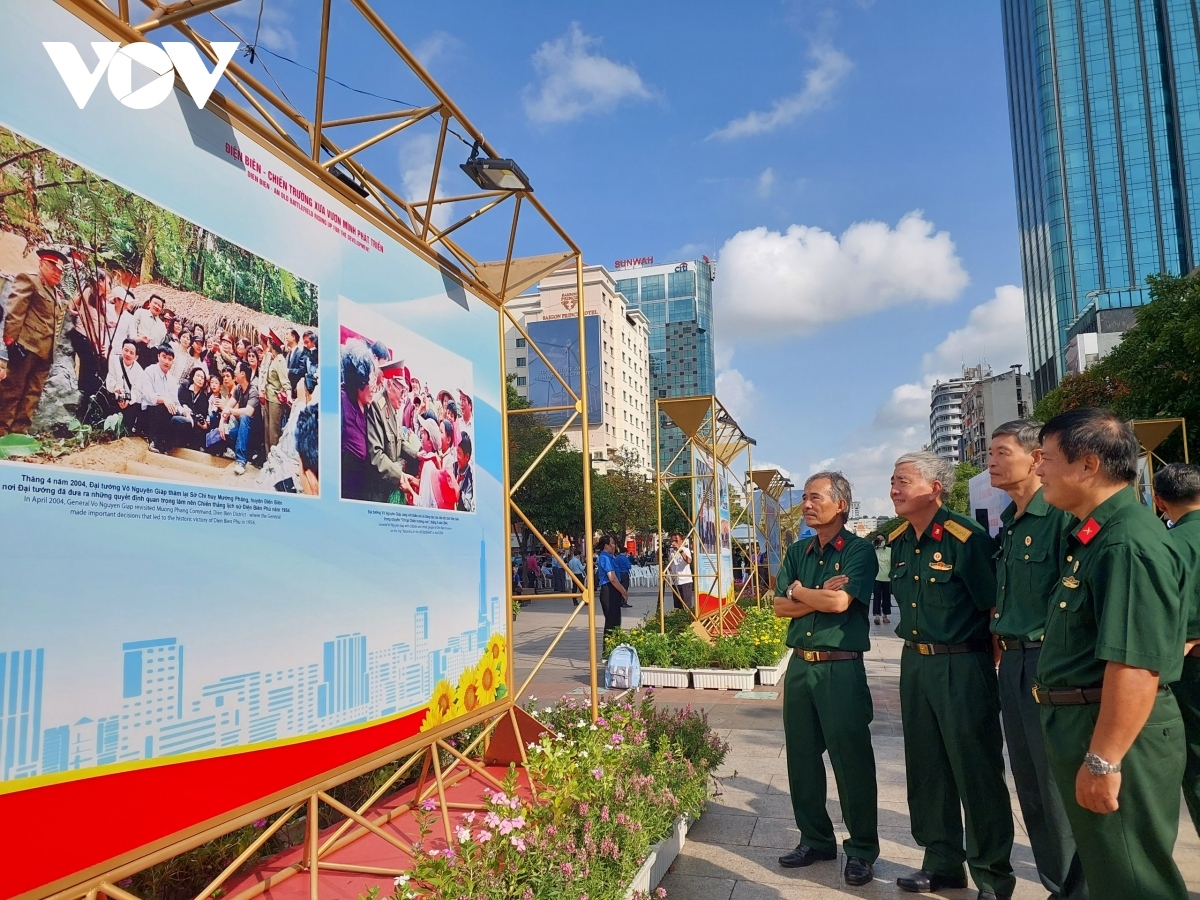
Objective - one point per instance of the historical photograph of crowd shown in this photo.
(136, 342)
(408, 417)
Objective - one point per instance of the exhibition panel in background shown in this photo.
(714, 548)
(174, 650)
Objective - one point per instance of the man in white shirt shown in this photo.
(160, 400)
(679, 568)
(120, 319)
(149, 330)
(124, 382)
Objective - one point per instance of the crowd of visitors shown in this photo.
(402, 441)
(177, 384)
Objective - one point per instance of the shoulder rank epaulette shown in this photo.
(899, 531)
(960, 531)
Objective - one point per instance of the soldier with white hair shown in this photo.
(944, 580)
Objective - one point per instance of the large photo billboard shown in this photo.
(714, 556)
(204, 601)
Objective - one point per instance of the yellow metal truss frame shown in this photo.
(306, 141)
(709, 428)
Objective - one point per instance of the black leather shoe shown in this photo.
(858, 872)
(922, 882)
(805, 855)
(992, 895)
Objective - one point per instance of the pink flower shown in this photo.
(491, 820)
(259, 823)
(469, 817)
(617, 738)
(429, 805)
(484, 836)
(597, 774)
(463, 834)
(517, 841)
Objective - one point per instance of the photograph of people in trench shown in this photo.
(407, 415)
(138, 343)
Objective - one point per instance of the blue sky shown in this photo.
(847, 161)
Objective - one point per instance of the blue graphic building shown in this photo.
(159, 716)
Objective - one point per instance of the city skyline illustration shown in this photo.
(155, 714)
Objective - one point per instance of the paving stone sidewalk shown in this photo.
(731, 851)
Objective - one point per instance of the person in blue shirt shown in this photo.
(612, 592)
(624, 565)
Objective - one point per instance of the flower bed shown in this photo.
(724, 679)
(604, 794)
(731, 661)
(772, 674)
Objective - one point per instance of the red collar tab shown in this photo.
(1090, 529)
(839, 543)
(936, 531)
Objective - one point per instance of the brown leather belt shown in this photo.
(827, 655)
(1195, 651)
(1012, 643)
(928, 649)
(1067, 697)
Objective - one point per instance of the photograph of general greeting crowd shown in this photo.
(404, 440)
(131, 335)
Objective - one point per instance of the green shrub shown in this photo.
(689, 651)
(731, 652)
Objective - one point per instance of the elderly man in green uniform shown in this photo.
(824, 586)
(945, 585)
(1033, 535)
(1114, 640)
(1177, 495)
(36, 310)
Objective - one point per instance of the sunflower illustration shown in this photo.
(441, 706)
(489, 680)
(495, 652)
(467, 697)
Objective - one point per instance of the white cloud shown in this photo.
(797, 281)
(416, 169)
(437, 45)
(829, 68)
(993, 334)
(766, 181)
(737, 393)
(576, 81)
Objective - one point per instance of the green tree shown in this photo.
(886, 528)
(630, 495)
(960, 495)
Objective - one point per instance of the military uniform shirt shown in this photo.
(1117, 599)
(1185, 537)
(810, 564)
(1031, 553)
(944, 580)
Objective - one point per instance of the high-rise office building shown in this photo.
(676, 299)
(1104, 100)
(616, 337)
(946, 412)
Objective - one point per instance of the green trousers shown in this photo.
(827, 707)
(1041, 806)
(1125, 854)
(1187, 694)
(953, 756)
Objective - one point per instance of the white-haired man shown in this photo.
(944, 581)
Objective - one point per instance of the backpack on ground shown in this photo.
(624, 671)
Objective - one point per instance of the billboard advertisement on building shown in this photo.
(236, 556)
(714, 556)
(558, 339)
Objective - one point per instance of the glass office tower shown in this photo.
(1104, 100)
(676, 298)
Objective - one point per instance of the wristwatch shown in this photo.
(1098, 766)
(788, 592)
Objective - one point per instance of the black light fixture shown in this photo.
(495, 174)
(349, 181)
